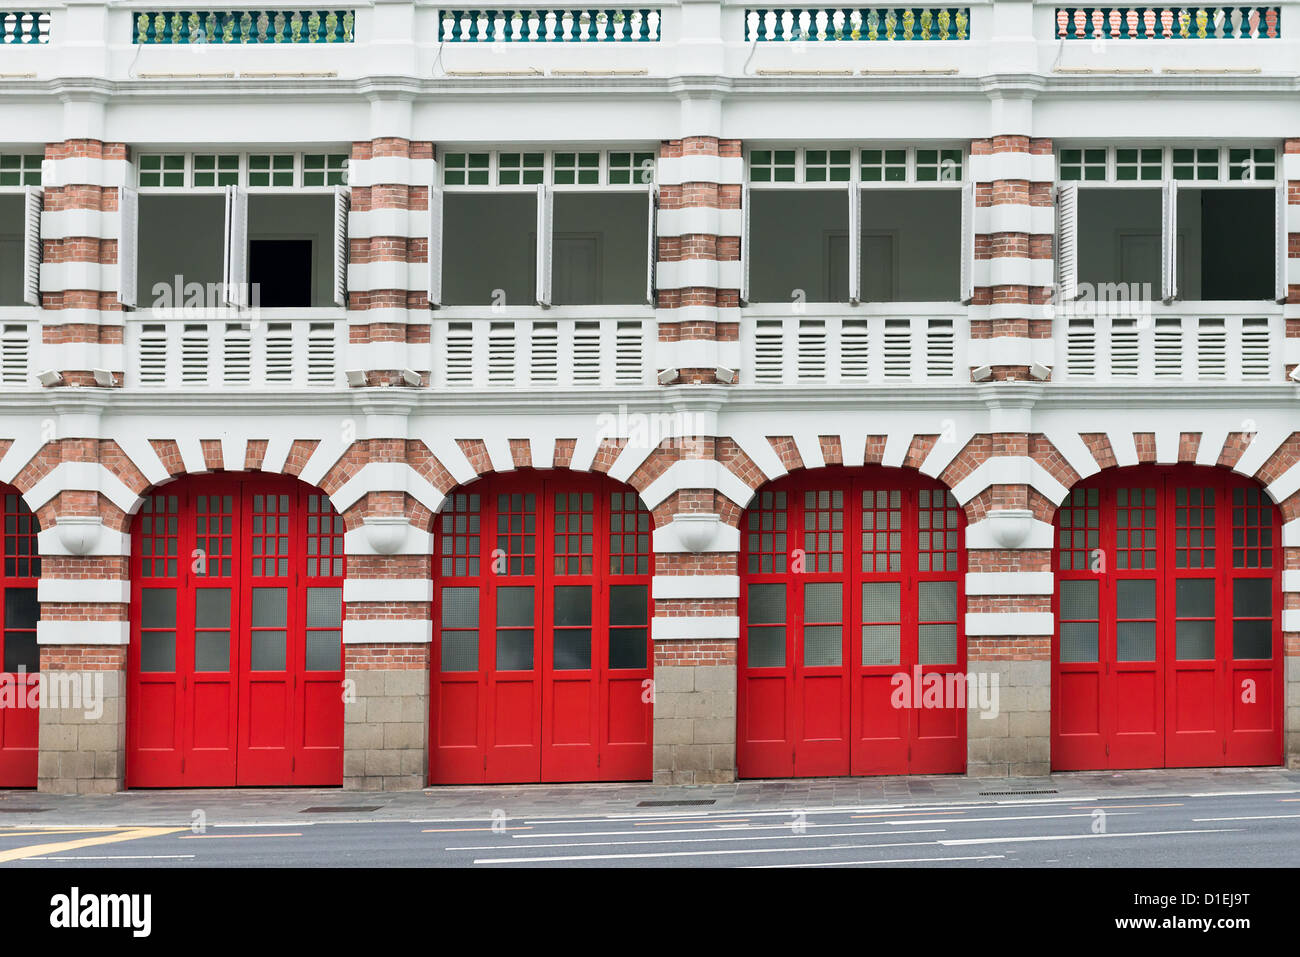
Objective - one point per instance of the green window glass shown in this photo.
(628, 168)
(521, 169)
(466, 169)
(884, 166)
(162, 170)
(20, 170)
(1252, 164)
(577, 169)
(1083, 164)
(211, 170)
(1133, 164)
(772, 166)
(827, 166)
(271, 170)
(1196, 164)
(325, 169)
(938, 166)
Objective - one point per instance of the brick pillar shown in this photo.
(82, 319)
(386, 633)
(1291, 170)
(1009, 316)
(699, 257)
(83, 632)
(388, 306)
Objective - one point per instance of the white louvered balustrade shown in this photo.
(292, 352)
(509, 353)
(20, 344)
(1186, 342)
(872, 345)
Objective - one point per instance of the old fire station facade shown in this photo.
(398, 395)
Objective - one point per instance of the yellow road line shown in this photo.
(37, 832)
(39, 850)
(212, 837)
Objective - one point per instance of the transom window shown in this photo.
(1153, 164)
(576, 168)
(20, 170)
(253, 170)
(876, 166)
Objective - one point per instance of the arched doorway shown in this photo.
(542, 662)
(235, 664)
(851, 608)
(20, 610)
(1167, 651)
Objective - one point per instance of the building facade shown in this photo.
(397, 395)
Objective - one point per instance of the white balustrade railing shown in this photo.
(302, 349)
(879, 344)
(1183, 342)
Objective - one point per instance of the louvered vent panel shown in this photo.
(320, 353)
(629, 359)
(940, 349)
(1255, 349)
(13, 355)
(767, 350)
(586, 353)
(1124, 351)
(812, 350)
(855, 350)
(898, 349)
(279, 353)
(153, 354)
(501, 353)
(1211, 349)
(544, 368)
(460, 353)
(238, 368)
(1168, 348)
(1081, 349)
(194, 355)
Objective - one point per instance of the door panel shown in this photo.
(235, 664)
(851, 585)
(557, 569)
(1186, 668)
(20, 662)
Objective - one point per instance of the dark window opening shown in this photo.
(280, 271)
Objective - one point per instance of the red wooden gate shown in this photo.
(19, 689)
(1167, 650)
(235, 661)
(851, 595)
(542, 659)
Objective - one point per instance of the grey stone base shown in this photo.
(695, 724)
(1291, 730)
(82, 738)
(1017, 741)
(386, 731)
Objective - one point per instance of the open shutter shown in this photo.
(435, 238)
(1169, 241)
(652, 244)
(342, 203)
(545, 219)
(744, 244)
(855, 243)
(968, 242)
(235, 274)
(1280, 281)
(35, 202)
(128, 212)
(1067, 242)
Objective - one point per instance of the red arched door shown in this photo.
(1168, 643)
(852, 650)
(541, 660)
(19, 680)
(235, 664)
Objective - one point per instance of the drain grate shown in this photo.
(675, 803)
(1004, 793)
(353, 809)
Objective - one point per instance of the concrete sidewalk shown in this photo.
(256, 805)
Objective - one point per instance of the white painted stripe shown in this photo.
(79, 223)
(1211, 445)
(386, 477)
(1010, 583)
(400, 223)
(1291, 580)
(81, 317)
(387, 274)
(1033, 167)
(79, 590)
(886, 860)
(697, 354)
(1291, 620)
(542, 451)
(415, 542)
(666, 539)
(1009, 470)
(1251, 817)
(68, 356)
(1075, 452)
(88, 476)
(448, 452)
(498, 451)
(1075, 837)
(700, 221)
(1291, 533)
(676, 170)
(1286, 484)
(695, 586)
(377, 355)
(1014, 271)
(896, 446)
(717, 838)
(388, 589)
(323, 458)
(760, 451)
(998, 623)
(382, 632)
(96, 277)
(390, 171)
(1015, 218)
(695, 628)
(1010, 351)
(1262, 446)
(698, 314)
(18, 455)
(696, 474)
(106, 543)
(631, 458)
(980, 535)
(84, 171)
(82, 632)
(696, 273)
(1124, 447)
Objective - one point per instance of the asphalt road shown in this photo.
(1195, 830)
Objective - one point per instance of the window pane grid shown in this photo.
(459, 527)
(882, 531)
(765, 534)
(1078, 531)
(629, 535)
(517, 532)
(1135, 528)
(1252, 529)
(22, 555)
(270, 545)
(324, 539)
(159, 530)
(823, 530)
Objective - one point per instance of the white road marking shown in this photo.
(896, 860)
(116, 857)
(702, 840)
(1080, 837)
(1257, 817)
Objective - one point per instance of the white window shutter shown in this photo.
(652, 244)
(128, 212)
(1283, 242)
(435, 238)
(545, 220)
(1067, 242)
(236, 247)
(855, 243)
(744, 244)
(35, 202)
(968, 242)
(342, 204)
(1169, 241)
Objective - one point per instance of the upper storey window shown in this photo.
(881, 223)
(565, 227)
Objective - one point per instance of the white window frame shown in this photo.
(548, 169)
(1167, 166)
(188, 172)
(21, 186)
(856, 151)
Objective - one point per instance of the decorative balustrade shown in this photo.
(536, 354)
(850, 350)
(1168, 23)
(550, 26)
(838, 23)
(16, 27)
(244, 26)
(229, 354)
(1234, 345)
